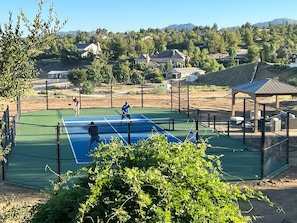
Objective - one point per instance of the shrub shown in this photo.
(87, 88)
(150, 181)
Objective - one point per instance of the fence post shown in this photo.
(46, 94)
(244, 120)
(188, 99)
(288, 137)
(58, 152)
(178, 96)
(142, 95)
(171, 97)
(262, 121)
(111, 93)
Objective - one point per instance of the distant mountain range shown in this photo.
(276, 22)
(190, 26)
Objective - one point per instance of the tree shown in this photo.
(69, 54)
(214, 42)
(248, 38)
(20, 42)
(150, 181)
(254, 53)
(77, 76)
(269, 52)
(121, 71)
(94, 72)
(232, 52)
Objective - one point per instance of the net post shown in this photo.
(172, 120)
(129, 133)
(197, 133)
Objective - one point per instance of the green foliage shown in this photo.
(293, 81)
(77, 76)
(14, 212)
(159, 90)
(88, 88)
(95, 72)
(121, 71)
(17, 66)
(69, 54)
(137, 77)
(278, 69)
(150, 181)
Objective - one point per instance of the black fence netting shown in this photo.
(8, 126)
(211, 112)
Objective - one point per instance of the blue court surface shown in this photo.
(129, 131)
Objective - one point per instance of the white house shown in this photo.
(293, 64)
(57, 74)
(88, 48)
(181, 73)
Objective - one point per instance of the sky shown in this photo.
(133, 15)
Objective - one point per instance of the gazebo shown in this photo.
(262, 88)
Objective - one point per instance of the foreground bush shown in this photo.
(151, 181)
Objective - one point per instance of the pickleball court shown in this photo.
(127, 130)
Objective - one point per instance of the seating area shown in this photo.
(273, 123)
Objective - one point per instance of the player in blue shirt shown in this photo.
(125, 111)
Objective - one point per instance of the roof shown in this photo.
(188, 70)
(143, 57)
(58, 72)
(82, 45)
(170, 54)
(266, 87)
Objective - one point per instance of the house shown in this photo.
(143, 58)
(293, 64)
(241, 55)
(180, 73)
(57, 74)
(86, 49)
(176, 58)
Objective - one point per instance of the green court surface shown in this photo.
(33, 162)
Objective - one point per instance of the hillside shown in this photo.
(244, 73)
(229, 77)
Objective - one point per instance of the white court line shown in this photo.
(115, 131)
(68, 135)
(164, 132)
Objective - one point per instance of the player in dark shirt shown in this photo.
(94, 133)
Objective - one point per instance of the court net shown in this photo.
(119, 126)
